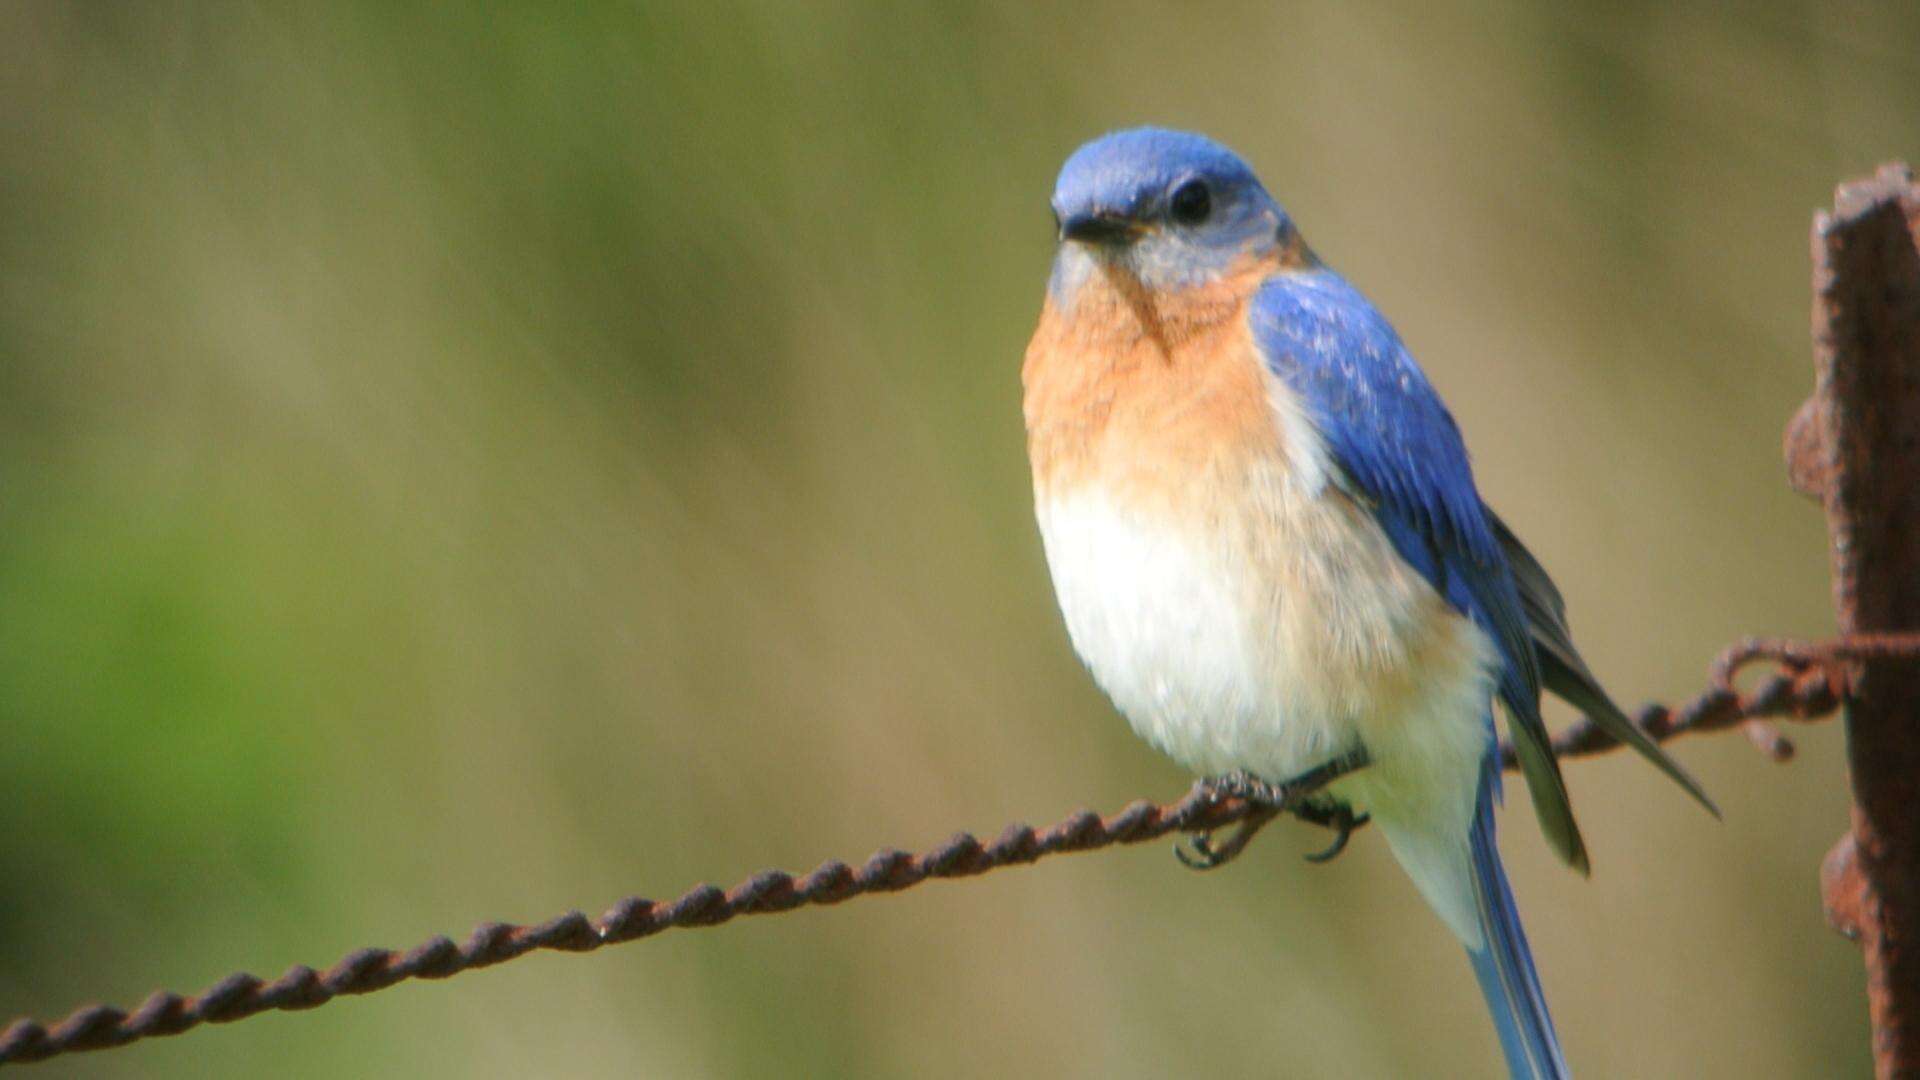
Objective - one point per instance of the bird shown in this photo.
(1267, 545)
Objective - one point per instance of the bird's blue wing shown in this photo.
(1395, 443)
(1373, 406)
(1398, 450)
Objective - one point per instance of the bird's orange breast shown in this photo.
(1146, 394)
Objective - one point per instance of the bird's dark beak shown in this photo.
(1098, 227)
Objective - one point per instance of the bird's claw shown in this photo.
(1268, 801)
(1198, 852)
(1343, 821)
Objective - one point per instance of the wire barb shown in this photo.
(1810, 682)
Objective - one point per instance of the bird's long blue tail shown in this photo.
(1505, 964)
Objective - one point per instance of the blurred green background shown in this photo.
(470, 463)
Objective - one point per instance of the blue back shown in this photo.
(1399, 448)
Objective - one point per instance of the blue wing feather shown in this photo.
(1374, 406)
(1398, 449)
(1390, 434)
(1399, 452)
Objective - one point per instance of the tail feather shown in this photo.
(1504, 964)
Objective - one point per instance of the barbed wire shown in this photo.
(1809, 682)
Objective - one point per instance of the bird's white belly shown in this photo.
(1275, 638)
(1184, 634)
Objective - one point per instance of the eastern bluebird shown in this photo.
(1268, 546)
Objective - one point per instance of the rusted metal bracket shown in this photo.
(1856, 447)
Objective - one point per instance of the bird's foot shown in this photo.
(1269, 800)
(1338, 817)
(1198, 851)
(1241, 784)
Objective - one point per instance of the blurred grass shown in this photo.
(469, 463)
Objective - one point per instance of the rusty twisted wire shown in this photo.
(1809, 682)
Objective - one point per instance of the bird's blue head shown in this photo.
(1172, 208)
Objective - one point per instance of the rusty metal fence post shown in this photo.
(1856, 446)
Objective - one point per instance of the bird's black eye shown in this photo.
(1191, 203)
